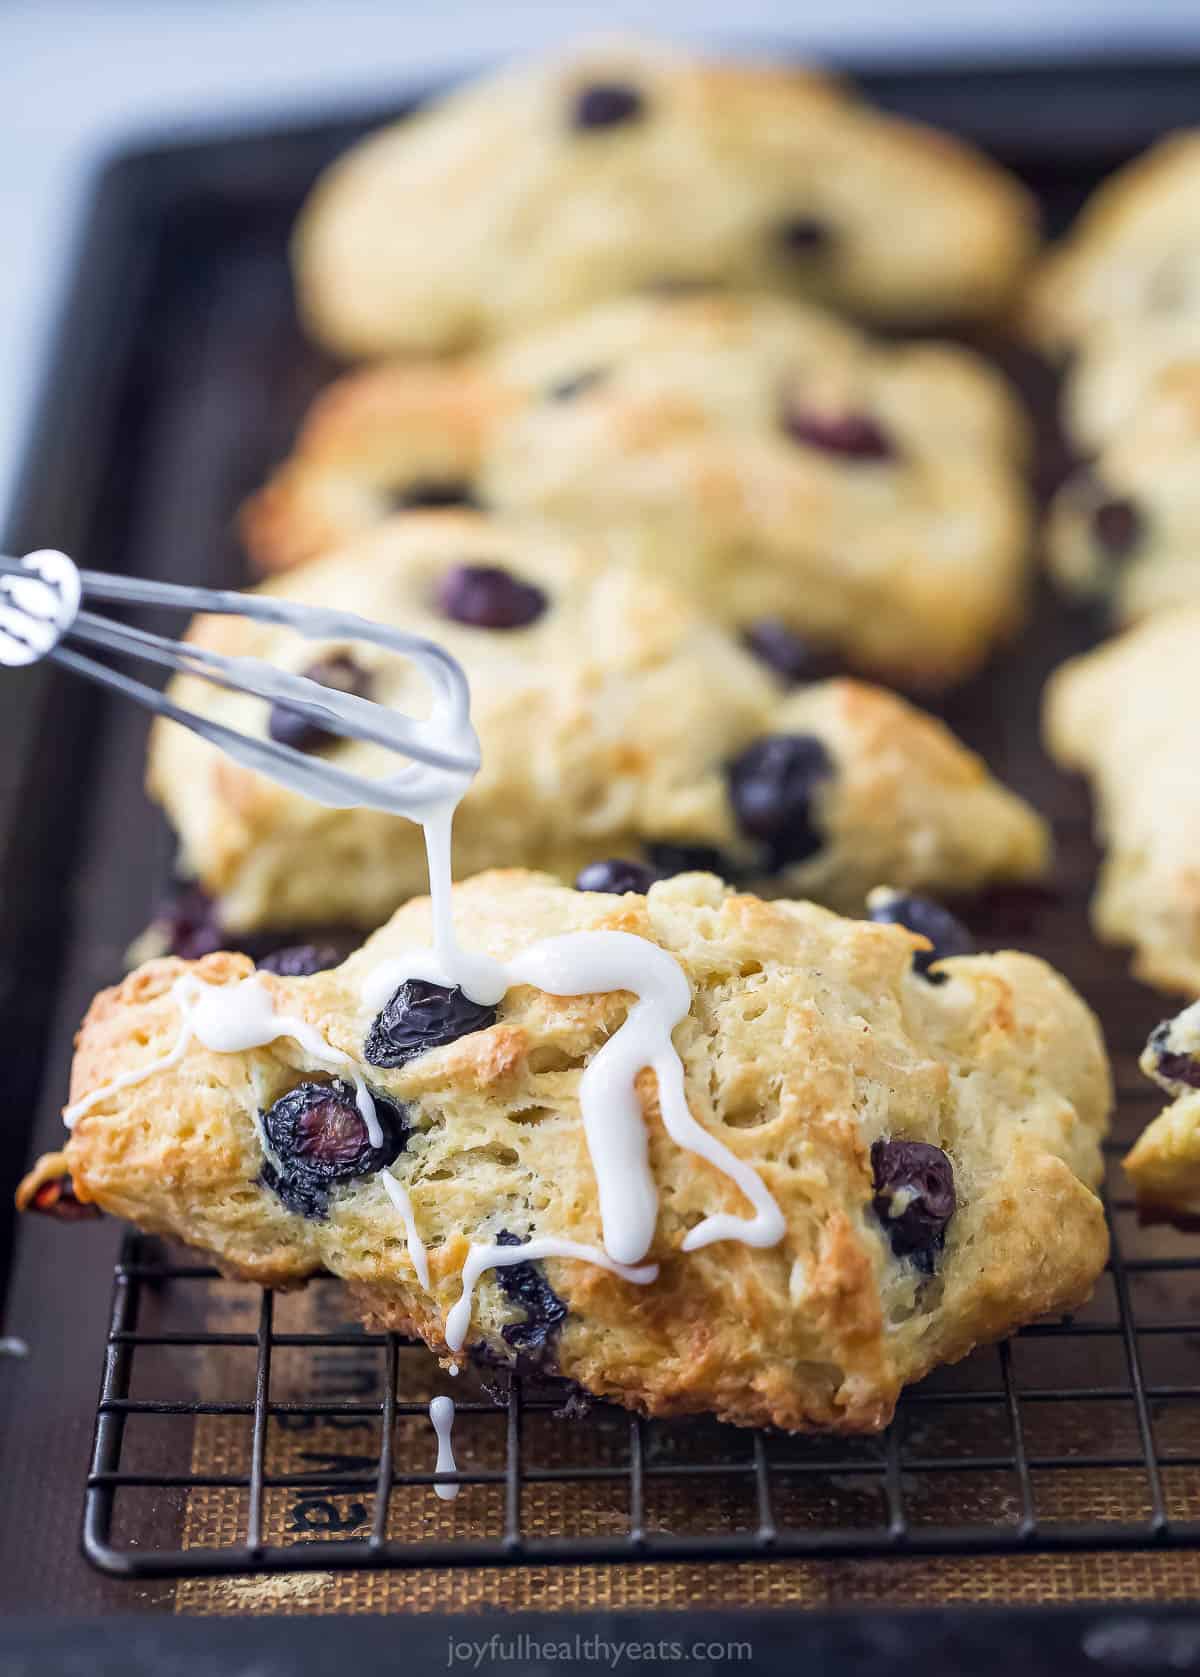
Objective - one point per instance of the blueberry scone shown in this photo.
(765, 455)
(1164, 1163)
(1130, 266)
(928, 1141)
(1121, 298)
(615, 719)
(1126, 529)
(1123, 716)
(545, 188)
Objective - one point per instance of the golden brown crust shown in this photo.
(676, 457)
(489, 211)
(606, 726)
(808, 1037)
(1124, 716)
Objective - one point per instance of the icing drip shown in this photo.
(441, 1413)
(482, 1257)
(593, 963)
(398, 1194)
(228, 1019)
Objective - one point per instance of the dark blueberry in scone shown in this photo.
(929, 919)
(1170, 1064)
(419, 1016)
(526, 1285)
(57, 1198)
(914, 1197)
(489, 597)
(301, 960)
(1116, 526)
(189, 924)
(669, 859)
(792, 657)
(567, 389)
(617, 876)
(852, 436)
(772, 785)
(803, 236)
(430, 493)
(606, 105)
(339, 672)
(318, 1138)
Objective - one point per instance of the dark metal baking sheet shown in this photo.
(177, 380)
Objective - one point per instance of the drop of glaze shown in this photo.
(441, 1413)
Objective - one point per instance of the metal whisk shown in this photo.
(42, 616)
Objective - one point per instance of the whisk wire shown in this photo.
(30, 591)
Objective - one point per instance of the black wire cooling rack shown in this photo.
(1079, 1434)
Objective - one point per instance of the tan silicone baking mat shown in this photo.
(215, 1517)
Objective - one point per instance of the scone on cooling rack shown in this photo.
(615, 719)
(539, 190)
(1124, 716)
(1126, 528)
(768, 457)
(1164, 1163)
(930, 1133)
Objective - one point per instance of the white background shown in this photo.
(78, 78)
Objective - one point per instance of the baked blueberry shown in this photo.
(489, 597)
(525, 1284)
(669, 859)
(851, 436)
(189, 924)
(914, 1197)
(607, 105)
(618, 876)
(772, 785)
(57, 1198)
(317, 1138)
(792, 657)
(419, 1016)
(1116, 526)
(803, 236)
(1170, 1065)
(338, 672)
(434, 492)
(929, 919)
(567, 389)
(301, 960)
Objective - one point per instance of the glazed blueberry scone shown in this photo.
(1126, 529)
(542, 189)
(615, 719)
(930, 1140)
(1123, 715)
(769, 458)
(1164, 1163)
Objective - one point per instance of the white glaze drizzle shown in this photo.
(441, 1413)
(481, 1257)
(594, 963)
(228, 1019)
(399, 1196)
